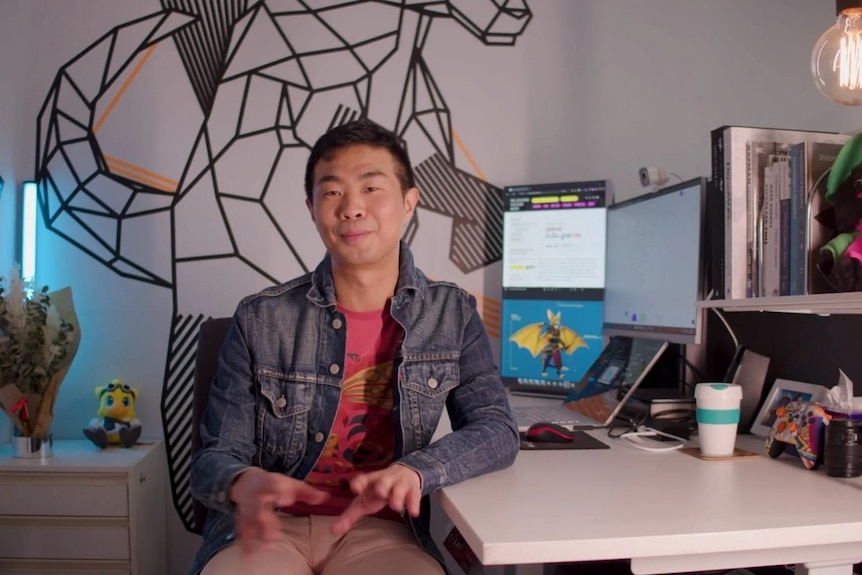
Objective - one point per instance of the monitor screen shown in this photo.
(655, 264)
(553, 284)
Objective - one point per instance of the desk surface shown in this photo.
(668, 512)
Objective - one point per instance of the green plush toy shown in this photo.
(116, 422)
(840, 259)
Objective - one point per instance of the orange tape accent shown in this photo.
(124, 87)
(460, 143)
(134, 175)
(117, 164)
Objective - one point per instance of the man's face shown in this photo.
(359, 208)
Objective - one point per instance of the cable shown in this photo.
(691, 366)
(679, 423)
(678, 415)
(630, 425)
(737, 348)
(676, 176)
(720, 315)
(636, 439)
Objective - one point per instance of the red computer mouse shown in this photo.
(547, 432)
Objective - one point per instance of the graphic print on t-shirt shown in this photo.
(362, 437)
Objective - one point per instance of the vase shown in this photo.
(33, 447)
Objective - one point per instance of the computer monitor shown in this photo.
(655, 264)
(553, 284)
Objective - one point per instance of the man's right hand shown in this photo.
(257, 494)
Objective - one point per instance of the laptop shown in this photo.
(607, 385)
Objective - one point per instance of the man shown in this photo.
(317, 453)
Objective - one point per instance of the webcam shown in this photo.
(650, 176)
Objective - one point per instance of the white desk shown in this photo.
(667, 512)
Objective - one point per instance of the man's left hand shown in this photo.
(398, 486)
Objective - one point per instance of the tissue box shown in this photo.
(841, 410)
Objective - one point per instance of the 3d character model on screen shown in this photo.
(799, 424)
(548, 340)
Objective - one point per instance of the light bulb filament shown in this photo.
(836, 59)
(848, 62)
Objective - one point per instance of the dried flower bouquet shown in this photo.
(39, 337)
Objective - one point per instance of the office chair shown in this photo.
(210, 339)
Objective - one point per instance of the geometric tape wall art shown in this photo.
(171, 150)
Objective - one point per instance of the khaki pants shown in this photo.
(307, 547)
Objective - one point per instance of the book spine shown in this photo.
(757, 159)
(735, 217)
(798, 215)
(715, 213)
(784, 226)
(770, 256)
(755, 165)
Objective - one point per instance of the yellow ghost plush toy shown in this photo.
(116, 423)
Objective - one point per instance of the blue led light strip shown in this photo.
(28, 231)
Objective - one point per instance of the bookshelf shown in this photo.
(817, 304)
(807, 337)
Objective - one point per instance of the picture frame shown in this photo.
(783, 391)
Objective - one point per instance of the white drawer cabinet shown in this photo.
(83, 510)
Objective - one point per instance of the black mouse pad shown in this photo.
(582, 440)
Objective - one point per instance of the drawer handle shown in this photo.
(142, 478)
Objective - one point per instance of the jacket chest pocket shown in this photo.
(430, 379)
(283, 414)
(425, 386)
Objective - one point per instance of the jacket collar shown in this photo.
(410, 280)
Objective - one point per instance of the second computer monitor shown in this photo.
(553, 283)
(654, 264)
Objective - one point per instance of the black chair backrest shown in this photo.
(210, 339)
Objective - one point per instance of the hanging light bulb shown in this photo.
(836, 61)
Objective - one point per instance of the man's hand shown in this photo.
(256, 494)
(398, 486)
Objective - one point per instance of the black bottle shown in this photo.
(842, 448)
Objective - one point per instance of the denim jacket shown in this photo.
(277, 387)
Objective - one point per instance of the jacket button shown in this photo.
(280, 402)
(337, 323)
(334, 368)
(433, 383)
(318, 437)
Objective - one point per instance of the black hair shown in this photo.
(359, 132)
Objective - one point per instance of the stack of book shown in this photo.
(767, 188)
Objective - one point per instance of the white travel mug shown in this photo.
(718, 407)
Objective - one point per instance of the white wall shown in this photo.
(593, 89)
(9, 65)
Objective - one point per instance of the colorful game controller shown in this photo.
(800, 424)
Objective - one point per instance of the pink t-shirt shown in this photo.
(362, 437)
